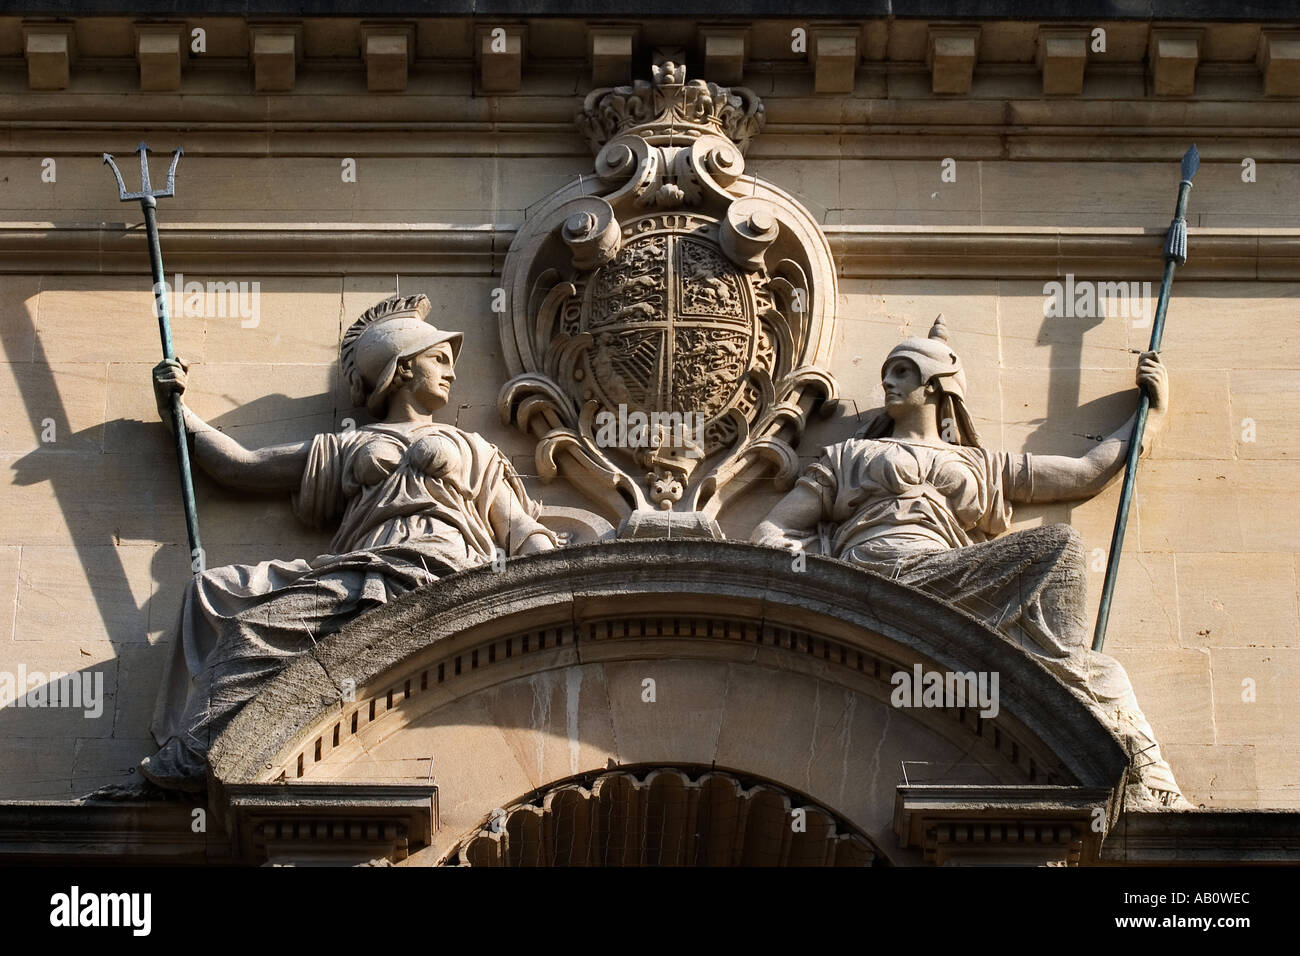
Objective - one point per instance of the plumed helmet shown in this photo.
(387, 333)
(937, 362)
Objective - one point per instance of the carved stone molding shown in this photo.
(320, 824)
(1008, 252)
(663, 816)
(669, 318)
(983, 826)
(607, 602)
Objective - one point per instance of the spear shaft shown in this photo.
(149, 205)
(1175, 255)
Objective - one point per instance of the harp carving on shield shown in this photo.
(669, 318)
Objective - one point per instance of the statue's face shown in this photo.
(432, 372)
(901, 381)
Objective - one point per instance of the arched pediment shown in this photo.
(494, 684)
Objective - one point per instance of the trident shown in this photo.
(149, 203)
(1175, 255)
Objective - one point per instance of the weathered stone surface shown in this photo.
(96, 593)
(1218, 775)
(1254, 701)
(1237, 600)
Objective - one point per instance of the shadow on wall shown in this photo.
(115, 495)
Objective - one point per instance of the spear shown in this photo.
(1175, 255)
(148, 198)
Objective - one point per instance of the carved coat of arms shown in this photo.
(669, 316)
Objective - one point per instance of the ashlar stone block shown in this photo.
(611, 50)
(160, 49)
(388, 50)
(50, 49)
(1278, 58)
(500, 53)
(1172, 57)
(1062, 56)
(834, 56)
(275, 52)
(724, 54)
(950, 55)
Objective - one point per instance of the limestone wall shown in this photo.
(92, 539)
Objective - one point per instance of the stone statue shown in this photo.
(413, 499)
(916, 497)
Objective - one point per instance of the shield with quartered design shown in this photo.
(673, 326)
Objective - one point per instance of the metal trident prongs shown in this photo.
(145, 190)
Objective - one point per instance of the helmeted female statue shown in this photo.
(915, 496)
(413, 500)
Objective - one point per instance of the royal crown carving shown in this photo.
(669, 318)
(671, 110)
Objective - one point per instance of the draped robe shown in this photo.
(413, 503)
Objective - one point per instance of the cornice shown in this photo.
(346, 248)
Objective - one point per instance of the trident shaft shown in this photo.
(148, 197)
(1175, 255)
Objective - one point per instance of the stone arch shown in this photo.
(495, 684)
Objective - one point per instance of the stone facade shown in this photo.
(953, 167)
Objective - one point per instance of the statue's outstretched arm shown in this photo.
(1063, 478)
(515, 529)
(793, 516)
(274, 468)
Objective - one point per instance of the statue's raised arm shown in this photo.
(917, 497)
(274, 468)
(411, 499)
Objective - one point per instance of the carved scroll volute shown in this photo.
(749, 229)
(591, 230)
(629, 160)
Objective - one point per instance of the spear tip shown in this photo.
(1191, 162)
